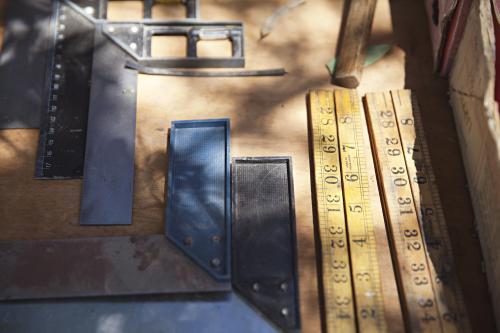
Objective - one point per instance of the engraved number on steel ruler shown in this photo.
(344, 215)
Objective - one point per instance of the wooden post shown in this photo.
(355, 31)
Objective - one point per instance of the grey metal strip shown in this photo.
(190, 73)
(109, 155)
(99, 267)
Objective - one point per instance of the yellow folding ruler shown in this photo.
(357, 293)
(430, 293)
(352, 289)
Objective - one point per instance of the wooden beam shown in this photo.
(355, 31)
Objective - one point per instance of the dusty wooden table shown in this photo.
(268, 118)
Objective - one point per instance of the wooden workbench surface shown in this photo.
(268, 118)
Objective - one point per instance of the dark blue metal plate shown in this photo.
(198, 213)
(207, 314)
(264, 245)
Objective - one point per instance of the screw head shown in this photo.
(256, 286)
(134, 29)
(284, 286)
(188, 240)
(89, 10)
(133, 46)
(284, 312)
(215, 262)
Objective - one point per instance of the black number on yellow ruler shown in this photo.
(361, 234)
(342, 196)
(337, 284)
(428, 307)
(450, 301)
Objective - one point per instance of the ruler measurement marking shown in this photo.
(419, 295)
(339, 304)
(54, 84)
(48, 138)
(429, 210)
(365, 273)
(61, 141)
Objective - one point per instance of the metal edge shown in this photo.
(51, 51)
(196, 9)
(243, 44)
(103, 13)
(227, 204)
(294, 241)
(189, 73)
(173, 22)
(193, 62)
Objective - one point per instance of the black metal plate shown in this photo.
(22, 62)
(264, 245)
(99, 267)
(139, 43)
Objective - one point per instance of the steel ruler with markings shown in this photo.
(432, 294)
(63, 123)
(350, 271)
(354, 300)
(80, 82)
